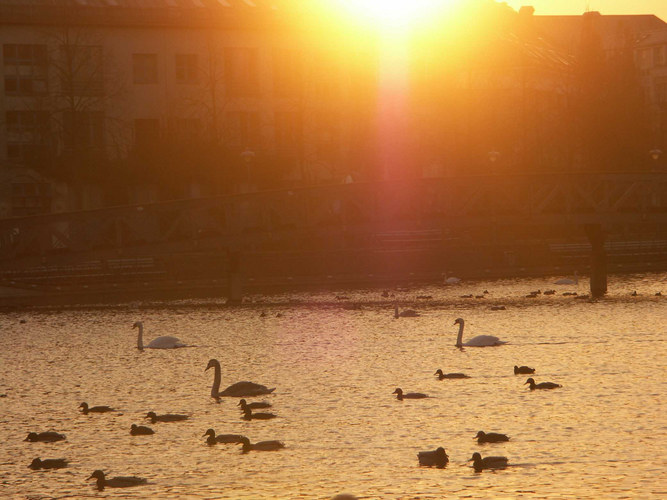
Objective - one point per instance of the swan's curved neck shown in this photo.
(140, 337)
(215, 389)
(459, 339)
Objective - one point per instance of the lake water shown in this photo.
(602, 435)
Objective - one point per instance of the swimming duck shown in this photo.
(442, 376)
(222, 438)
(490, 437)
(254, 405)
(48, 463)
(116, 482)
(249, 415)
(523, 369)
(45, 437)
(541, 385)
(261, 446)
(408, 313)
(408, 395)
(141, 430)
(237, 390)
(480, 463)
(168, 417)
(436, 458)
(95, 409)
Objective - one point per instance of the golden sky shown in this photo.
(608, 7)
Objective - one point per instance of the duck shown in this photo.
(254, 405)
(442, 376)
(116, 482)
(408, 313)
(523, 370)
(48, 463)
(261, 446)
(94, 409)
(480, 463)
(249, 415)
(45, 437)
(478, 341)
(409, 395)
(498, 308)
(167, 417)
(237, 390)
(541, 385)
(436, 458)
(549, 292)
(164, 342)
(222, 438)
(490, 437)
(141, 430)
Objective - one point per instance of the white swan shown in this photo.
(479, 341)
(237, 390)
(451, 280)
(568, 281)
(164, 342)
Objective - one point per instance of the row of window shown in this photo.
(80, 70)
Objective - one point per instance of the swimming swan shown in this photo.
(164, 342)
(568, 281)
(479, 341)
(237, 390)
(480, 463)
(436, 458)
(116, 482)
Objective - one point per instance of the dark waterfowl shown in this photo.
(85, 409)
(442, 376)
(222, 438)
(45, 437)
(523, 370)
(541, 385)
(249, 415)
(254, 405)
(141, 430)
(237, 390)
(408, 313)
(168, 417)
(116, 482)
(436, 458)
(408, 395)
(490, 437)
(48, 463)
(480, 463)
(261, 446)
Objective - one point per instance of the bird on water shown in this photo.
(490, 437)
(523, 370)
(48, 463)
(400, 395)
(85, 409)
(116, 482)
(478, 341)
(541, 385)
(237, 390)
(45, 437)
(442, 376)
(480, 463)
(164, 342)
(436, 458)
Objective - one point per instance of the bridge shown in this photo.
(210, 242)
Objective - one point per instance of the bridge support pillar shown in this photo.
(234, 286)
(596, 236)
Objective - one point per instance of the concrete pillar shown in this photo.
(596, 236)
(234, 286)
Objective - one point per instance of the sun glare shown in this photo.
(396, 14)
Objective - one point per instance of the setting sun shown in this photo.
(396, 14)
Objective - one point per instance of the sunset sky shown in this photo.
(608, 7)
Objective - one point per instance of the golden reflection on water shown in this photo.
(601, 435)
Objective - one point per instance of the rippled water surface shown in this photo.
(602, 435)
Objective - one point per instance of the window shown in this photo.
(144, 68)
(83, 129)
(27, 134)
(25, 68)
(243, 129)
(287, 130)
(287, 73)
(81, 70)
(30, 198)
(186, 68)
(241, 72)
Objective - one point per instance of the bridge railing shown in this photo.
(435, 203)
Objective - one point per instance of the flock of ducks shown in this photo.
(245, 389)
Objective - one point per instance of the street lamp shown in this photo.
(655, 154)
(248, 156)
(493, 155)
